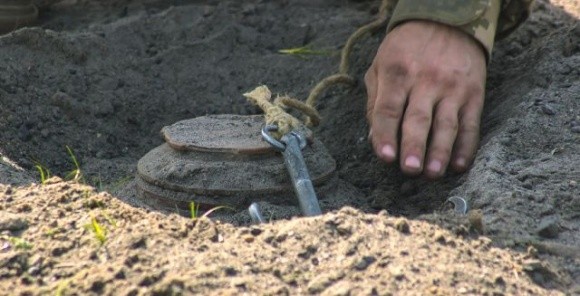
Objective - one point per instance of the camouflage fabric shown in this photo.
(478, 18)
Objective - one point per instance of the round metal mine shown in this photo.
(222, 160)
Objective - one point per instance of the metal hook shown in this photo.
(279, 146)
(301, 139)
(460, 205)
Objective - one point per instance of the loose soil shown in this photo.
(104, 77)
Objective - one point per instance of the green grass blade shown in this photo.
(75, 174)
(193, 209)
(44, 173)
(98, 230)
(304, 51)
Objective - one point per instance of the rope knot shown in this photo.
(275, 112)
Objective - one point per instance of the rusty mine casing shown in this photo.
(221, 160)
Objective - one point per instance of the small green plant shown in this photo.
(194, 210)
(305, 51)
(76, 174)
(61, 288)
(19, 243)
(98, 230)
(44, 173)
(87, 194)
(51, 232)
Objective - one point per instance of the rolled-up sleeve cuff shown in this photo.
(478, 18)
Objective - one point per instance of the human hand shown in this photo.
(427, 81)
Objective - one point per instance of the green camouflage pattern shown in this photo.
(451, 12)
(485, 20)
(483, 29)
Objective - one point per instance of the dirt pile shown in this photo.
(348, 252)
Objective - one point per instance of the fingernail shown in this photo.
(434, 166)
(370, 132)
(460, 162)
(388, 152)
(413, 162)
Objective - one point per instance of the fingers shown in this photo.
(468, 135)
(415, 128)
(430, 140)
(371, 86)
(387, 113)
(443, 134)
(425, 95)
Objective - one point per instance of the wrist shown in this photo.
(477, 18)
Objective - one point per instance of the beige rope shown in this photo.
(274, 111)
(311, 113)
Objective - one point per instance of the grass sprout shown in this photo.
(19, 243)
(51, 232)
(193, 209)
(76, 174)
(305, 51)
(61, 288)
(98, 230)
(43, 172)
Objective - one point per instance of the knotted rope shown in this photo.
(275, 111)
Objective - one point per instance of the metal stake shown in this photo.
(291, 146)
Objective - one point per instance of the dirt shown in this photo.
(103, 78)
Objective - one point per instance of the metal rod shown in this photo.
(298, 171)
(256, 213)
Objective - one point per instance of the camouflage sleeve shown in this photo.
(478, 18)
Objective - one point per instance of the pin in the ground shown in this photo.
(459, 205)
(256, 213)
(291, 146)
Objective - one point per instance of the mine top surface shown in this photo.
(225, 133)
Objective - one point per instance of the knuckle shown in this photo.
(430, 74)
(450, 82)
(370, 108)
(398, 70)
(475, 90)
(388, 109)
(369, 77)
(469, 127)
(446, 123)
(418, 117)
(438, 77)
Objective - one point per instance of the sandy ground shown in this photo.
(104, 77)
